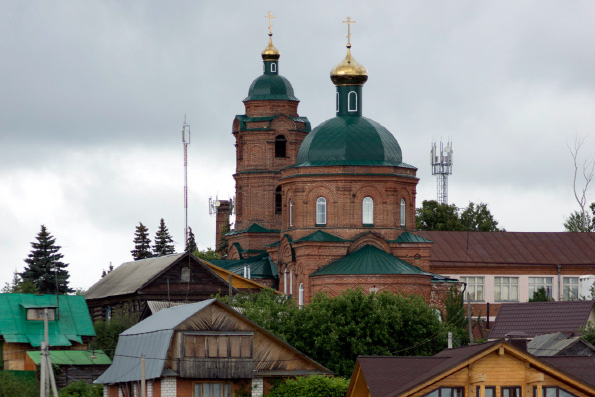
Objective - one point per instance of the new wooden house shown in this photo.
(201, 349)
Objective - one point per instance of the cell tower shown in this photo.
(186, 142)
(442, 166)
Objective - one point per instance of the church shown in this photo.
(324, 209)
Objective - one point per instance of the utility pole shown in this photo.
(469, 319)
(143, 382)
(47, 373)
(186, 142)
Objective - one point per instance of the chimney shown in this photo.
(223, 210)
(517, 339)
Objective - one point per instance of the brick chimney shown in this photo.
(517, 339)
(223, 210)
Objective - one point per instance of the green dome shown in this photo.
(270, 87)
(346, 140)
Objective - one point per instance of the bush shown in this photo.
(311, 386)
(81, 389)
(12, 385)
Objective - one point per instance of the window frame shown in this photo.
(509, 284)
(321, 211)
(535, 286)
(212, 346)
(403, 215)
(226, 390)
(520, 389)
(278, 200)
(290, 213)
(301, 295)
(478, 390)
(460, 389)
(280, 147)
(368, 211)
(475, 284)
(565, 290)
(351, 102)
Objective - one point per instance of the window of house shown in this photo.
(489, 391)
(447, 392)
(278, 200)
(368, 211)
(185, 274)
(207, 345)
(535, 283)
(402, 212)
(474, 287)
(301, 295)
(506, 289)
(570, 288)
(553, 391)
(36, 314)
(212, 390)
(290, 213)
(352, 101)
(321, 211)
(280, 146)
(510, 391)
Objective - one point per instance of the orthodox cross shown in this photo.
(349, 22)
(270, 17)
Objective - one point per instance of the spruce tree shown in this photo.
(191, 243)
(45, 268)
(142, 243)
(164, 244)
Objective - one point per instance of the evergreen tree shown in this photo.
(45, 267)
(142, 243)
(164, 244)
(191, 243)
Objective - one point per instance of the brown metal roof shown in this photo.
(539, 318)
(581, 368)
(555, 248)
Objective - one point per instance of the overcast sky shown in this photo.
(94, 94)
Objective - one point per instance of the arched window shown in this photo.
(321, 211)
(290, 213)
(273, 67)
(301, 295)
(368, 211)
(402, 212)
(337, 101)
(352, 101)
(278, 200)
(291, 282)
(280, 146)
(285, 282)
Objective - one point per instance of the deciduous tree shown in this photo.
(437, 216)
(164, 244)
(581, 221)
(142, 243)
(311, 386)
(45, 268)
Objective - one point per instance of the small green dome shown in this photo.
(270, 87)
(346, 140)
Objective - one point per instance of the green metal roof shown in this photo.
(261, 266)
(349, 140)
(319, 235)
(253, 228)
(270, 87)
(410, 238)
(73, 357)
(369, 260)
(72, 322)
(243, 119)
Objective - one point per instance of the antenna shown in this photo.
(442, 166)
(186, 142)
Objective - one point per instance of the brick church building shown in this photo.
(327, 209)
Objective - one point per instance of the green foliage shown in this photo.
(81, 389)
(334, 331)
(588, 333)
(44, 267)
(109, 270)
(18, 286)
(191, 243)
(311, 386)
(164, 244)
(436, 216)
(455, 317)
(578, 222)
(541, 295)
(223, 244)
(206, 255)
(108, 332)
(12, 385)
(142, 243)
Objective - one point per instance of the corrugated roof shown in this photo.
(510, 248)
(321, 236)
(369, 260)
(73, 357)
(253, 228)
(72, 323)
(538, 318)
(550, 344)
(410, 238)
(129, 277)
(261, 266)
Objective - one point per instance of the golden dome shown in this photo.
(349, 72)
(270, 53)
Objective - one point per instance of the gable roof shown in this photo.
(538, 318)
(253, 228)
(152, 338)
(408, 237)
(321, 236)
(369, 260)
(71, 324)
(527, 248)
(556, 343)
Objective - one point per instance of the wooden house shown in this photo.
(493, 369)
(174, 278)
(201, 349)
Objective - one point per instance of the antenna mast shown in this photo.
(442, 166)
(186, 142)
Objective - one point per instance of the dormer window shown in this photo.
(36, 314)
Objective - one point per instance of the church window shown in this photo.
(301, 295)
(402, 212)
(352, 101)
(280, 146)
(291, 282)
(273, 67)
(290, 213)
(285, 282)
(368, 211)
(278, 198)
(321, 211)
(337, 101)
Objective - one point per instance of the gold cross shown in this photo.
(270, 17)
(349, 22)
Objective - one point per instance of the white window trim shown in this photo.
(337, 101)
(301, 295)
(321, 211)
(273, 67)
(368, 210)
(350, 102)
(510, 285)
(403, 212)
(290, 213)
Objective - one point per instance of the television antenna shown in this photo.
(186, 142)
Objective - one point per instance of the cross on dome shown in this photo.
(348, 22)
(270, 17)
